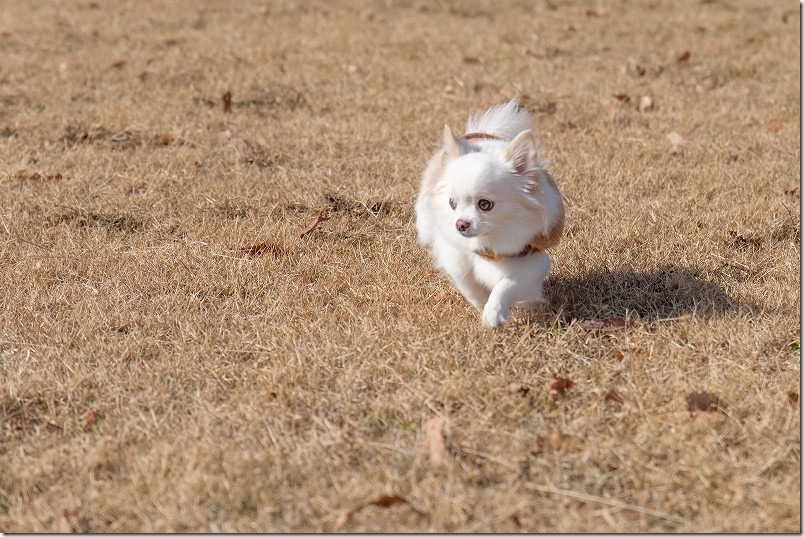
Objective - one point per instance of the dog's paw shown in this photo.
(494, 316)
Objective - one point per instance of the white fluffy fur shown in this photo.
(527, 204)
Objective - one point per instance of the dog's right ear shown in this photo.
(454, 146)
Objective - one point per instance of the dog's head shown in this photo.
(494, 196)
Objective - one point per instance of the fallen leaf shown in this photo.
(773, 126)
(383, 500)
(792, 398)
(471, 60)
(622, 97)
(557, 386)
(261, 248)
(227, 101)
(704, 402)
(31, 175)
(162, 138)
(617, 354)
(741, 241)
(609, 324)
(558, 441)
(645, 103)
(434, 440)
(614, 395)
(320, 218)
(683, 57)
(90, 421)
(516, 521)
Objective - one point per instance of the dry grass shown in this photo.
(175, 358)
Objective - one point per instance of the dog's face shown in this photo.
(477, 193)
(489, 194)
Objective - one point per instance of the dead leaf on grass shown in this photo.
(623, 97)
(683, 57)
(617, 354)
(227, 101)
(383, 500)
(90, 421)
(471, 60)
(31, 175)
(742, 241)
(608, 324)
(704, 402)
(261, 248)
(556, 387)
(792, 398)
(773, 126)
(309, 229)
(162, 138)
(614, 395)
(434, 440)
(558, 441)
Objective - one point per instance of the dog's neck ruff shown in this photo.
(489, 255)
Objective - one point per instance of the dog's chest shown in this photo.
(489, 273)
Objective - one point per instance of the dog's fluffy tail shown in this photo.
(506, 120)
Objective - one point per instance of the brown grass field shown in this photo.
(175, 357)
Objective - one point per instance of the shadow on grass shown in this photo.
(660, 293)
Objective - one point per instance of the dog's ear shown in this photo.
(521, 154)
(454, 146)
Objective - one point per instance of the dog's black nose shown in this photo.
(462, 225)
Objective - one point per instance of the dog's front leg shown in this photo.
(498, 306)
(475, 293)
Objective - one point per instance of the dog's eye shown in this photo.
(485, 205)
(452, 203)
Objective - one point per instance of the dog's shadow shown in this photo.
(656, 294)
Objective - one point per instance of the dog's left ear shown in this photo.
(454, 146)
(521, 154)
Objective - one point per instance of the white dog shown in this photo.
(487, 211)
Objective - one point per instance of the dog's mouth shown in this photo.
(469, 233)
